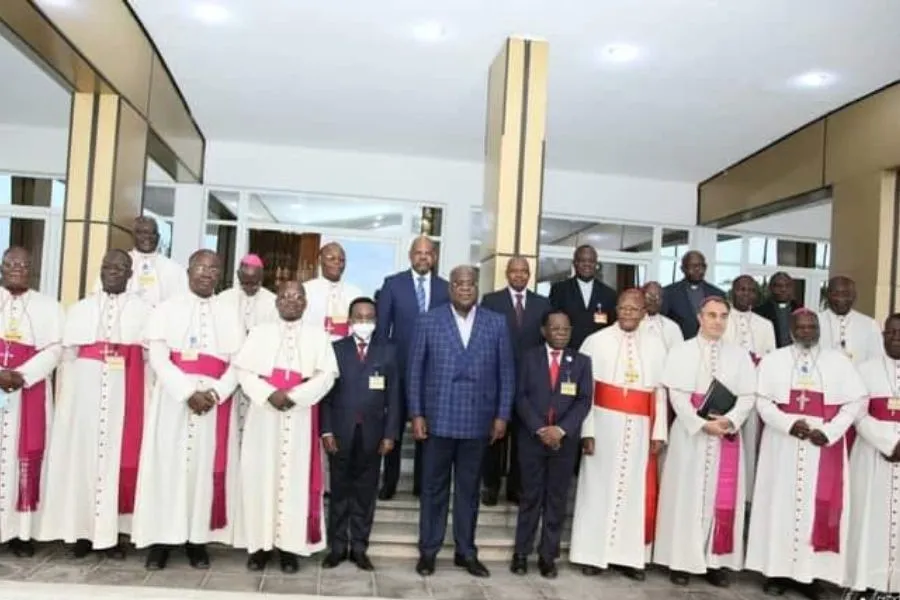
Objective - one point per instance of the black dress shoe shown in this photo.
(519, 564)
(361, 560)
(333, 559)
(679, 578)
(289, 562)
(425, 566)
(718, 578)
(258, 560)
(512, 498)
(632, 573)
(386, 493)
(472, 565)
(775, 586)
(547, 568)
(591, 571)
(489, 497)
(22, 548)
(197, 555)
(117, 552)
(82, 548)
(157, 558)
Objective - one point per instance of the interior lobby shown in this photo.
(763, 133)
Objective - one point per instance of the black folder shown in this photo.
(717, 401)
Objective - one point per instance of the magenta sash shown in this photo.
(133, 427)
(878, 409)
(726, 489)
(284, 381)
(32, 427)
(210, 366)
(826, 533)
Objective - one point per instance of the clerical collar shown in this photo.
(782, 305)
(144, 256)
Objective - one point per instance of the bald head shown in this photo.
(422, 255)
(693, 266)
(146, 235)
(841, 294)
(16, 269)
(518, 273)
(744, 293)
(291, 300)
(630, 309)
(115, 271)
(332, 261)
(463, 288)
(653, 295)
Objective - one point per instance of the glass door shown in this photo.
(618, 270)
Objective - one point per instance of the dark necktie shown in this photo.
(554, 368)
(361, 351)
(520, 310)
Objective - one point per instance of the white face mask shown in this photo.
(362, 330)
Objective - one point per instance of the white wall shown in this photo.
(33, 150)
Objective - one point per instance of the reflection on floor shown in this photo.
(393, 579)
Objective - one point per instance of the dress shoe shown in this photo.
(197, 555)
(775, 586)
(82, 548)
(679, 578)
(22, 548)
(117, 552)
(425, 566)
(472, 565)
(386, 493)
(718, 578)
(547, 568)
(333, 559)
(258, 560)
(361, 560)
(157, 558)
(591, 571)
(632, 573)
(289, 562)
(512, 498)
(519, 564)
(489, 497)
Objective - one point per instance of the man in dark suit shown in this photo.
(682, 299)
(779, 306)
(589, 303)
(553, 397)
(401, 299)
(523, 310)
(360, 421)
(460, 388)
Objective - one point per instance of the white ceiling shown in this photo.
(713, 80)
(30, 96)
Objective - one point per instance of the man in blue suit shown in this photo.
(460, 389)
(682, 299)
(552, 399)
(360, 421)
(401, 299)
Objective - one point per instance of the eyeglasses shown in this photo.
(16, 264)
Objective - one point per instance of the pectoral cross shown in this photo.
(7, 354)
(802, 399)
(631, 376)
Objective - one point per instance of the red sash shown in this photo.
(32, 427)
(132, 430)
(726, 488)
(210, 366)
(283, 381)
(826, 533)
(340, 329)
(878, 409)
(642, 404)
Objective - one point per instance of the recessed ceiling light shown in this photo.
(429, 32)
(619, 53)
(211, 13)
(814, 79)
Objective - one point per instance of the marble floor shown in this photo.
(392, 579)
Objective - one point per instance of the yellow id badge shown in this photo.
(12, 336)
(376, 382)
(147, 280)
(190, 354)
(115, 363)
(805, 381)
(568, 388)
(894, 404)
(600, 318)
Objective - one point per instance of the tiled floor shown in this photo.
(393, 578)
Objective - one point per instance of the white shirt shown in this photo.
(426, 283)
(513, 294)
(559, 355)
(587, 290)
(464, 324)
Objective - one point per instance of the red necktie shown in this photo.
(361, 351)
(520, 310)
(554, 368)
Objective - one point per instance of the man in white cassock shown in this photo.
(286, 367)
(756, 335)
(615, 502)
(873, 548)
(155, 278)
(92, 462)
(254, 304)
(808, 396)
(656, 324)
(188, 490)
(31, 329)
(700, 523)
(328, 296)
(842, 328)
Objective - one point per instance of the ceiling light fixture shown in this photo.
(814, 79)
(211, 13)
(429, 32)
(619, 53)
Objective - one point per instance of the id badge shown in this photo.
(376, 382)
(568, 388)
(600, 318)
(114, 362)
(12, 336)
(147, 280)
(893, 404)
(805, 381)
(190, 354)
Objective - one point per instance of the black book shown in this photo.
(717, 401)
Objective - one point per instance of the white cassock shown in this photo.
(700, 523)
(789, 537)
(281, 465)
(855, 334)
(756, 335)
(873, 549)
(188, 482)
(156, 278)
(630, 409)
(328, 305)
(664, 328)
(31, 326)
(253, 310)
(95, 447)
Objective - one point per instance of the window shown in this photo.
(602, 236)
(729, 248)
(222, 239)
(674, 246)
(159, 204)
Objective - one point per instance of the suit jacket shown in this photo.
(351, 401)
(529, 334)
(535, 397)
(767, 310)
(676, 304)
(460, 390)
(398, 309)
(566, 296)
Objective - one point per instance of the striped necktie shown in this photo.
(420, 294)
